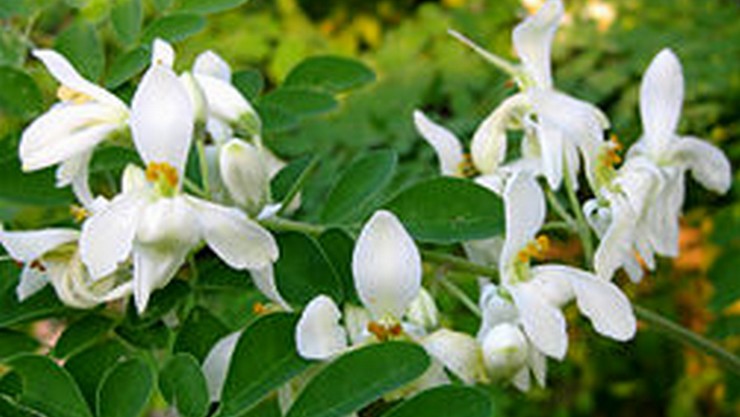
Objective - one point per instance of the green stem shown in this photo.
(203, 163)
(557, 226)
(458, 293)
(194, 188)
(286, 225)
(584, 231)
(5, 258)
(684, 335)
(499, 62)
(459, 264)
(560, 210)
(298, 185)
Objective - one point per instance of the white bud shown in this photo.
(200, 105)
(423, 311)
(245, 175)
(504, 350)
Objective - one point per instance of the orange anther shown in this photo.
(259, 308)
(162, 171)
(378, 330)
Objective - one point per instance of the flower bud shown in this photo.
(200, 105)
(244, 173)
(423, 311)
(505, 350)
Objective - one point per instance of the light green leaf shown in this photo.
(19, 95)
(448, 210)
(81, 44)
(82, 334)
(265, 358)
(358, 187)
(13, 342)
(184, 387)
(249, 82)
(209, 6)
(12, 48)
(174, 28)
(275, 119)
(303, 271)
(126, 17)
(358, 378)
(161, 5)
(47, 388)
(302, 103)
(126, 66)
(331, 74)
(125, 389)
(443, 402)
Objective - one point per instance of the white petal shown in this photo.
(551, 283)
(617, 245)
(134, 180)
(662, 216)
(318, 334)
(224, 100)
(65, 73)
(522, 380)
(661, 98)
(154, 267)
(264, 280)
(356, 320)
(210, 63)
(107, 235)
(216, 364)
(162, 118)
(446, 145)
(458, 352)
(543, 323)
(525, 214)
(423, 311)
(488, 147)
(552, 144)
(32, 281)
(162, 53)
(245, 174)
(505, 350)
(495, 309)
(168, 223)
(28, 246)
(386, 266)
(538, 364)
(66, 131)
(605, 304)
(239, 241)
(75, 171)
(533, 39)
(708, 164)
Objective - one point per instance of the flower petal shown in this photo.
(446, 145)
(708, 164)
(224, 100)
(162, 118)
(533, 40)
(28, 246)
(318, 334)
(162, 53)
(488, 147)
(386, 266)
(210, 63)
(543, 323)
(661, 98)
(264, 280)
(32, 281)
(525, 214)
(154, 267)
(458, 352)
(617, 245)
(216, 364)
(75, 171)
(423, 311)
(241, 242)
(505, 350)
(245, 174)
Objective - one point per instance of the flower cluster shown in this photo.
(137, 240)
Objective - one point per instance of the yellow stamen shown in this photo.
(467, 169)
(384, 332)
(534, 250)
(164, 176)
(78, 213)
(259, 308)
(65, 93)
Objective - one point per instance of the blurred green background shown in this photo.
(599, 55)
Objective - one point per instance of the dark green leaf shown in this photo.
(332, 74)
(174, 28)
(443, 402)
(126, 66)
(215, 274)
(199, 333)
(338, 246)
(276, 119)
(19, 95)
(42, 304)
(126, 17)
(265, 357)
(82, 334)
(13, 342)
(447, 210)
(358, 378)
(150, 336)
(184, 387)
(300, 102)
(89, 366)
(249, 82)
(112, 159)
(209, 6)
(161, 5)
(303, 271)
(162, 302)
(11, 408)
(723, 275)
(47, 388)
(81, 44)
(358, 187)
(125, 389)
(281, 183)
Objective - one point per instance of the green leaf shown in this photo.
(112, 158)
(13, 342)
(81, 44)
(126, 17)
(300, 102)
(303, 271)
(448, 210)
(249, 82)
(150, 336)
(42, 304)
(161, 5)
(125, 389)
(174, 28)
(339, 246)
(209, 6)
(723, 275)
(281, 183)
(82, 334)
(12, 48)
(162, 302)
(89, 366)
(275, 119)
(358, 378)
(199, 333)
(47, 388)
(265, 358)
(331, 74)
(184, 387)
(19, 95)
(358, 187)
(126, 66)
(443, 402)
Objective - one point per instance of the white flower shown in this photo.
(67, 134)
(152, 220)
(556, 126)
(51, 256)
(540, 291)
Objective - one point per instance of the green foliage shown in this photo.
(445, 401)
(209, 6)
(173, 28)
(127, 17)
(90, 365)
(19, 94)
(82, 334)
(81, 44)
(184, 387)
(13, 342)
(330, 74)
(125, 389)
